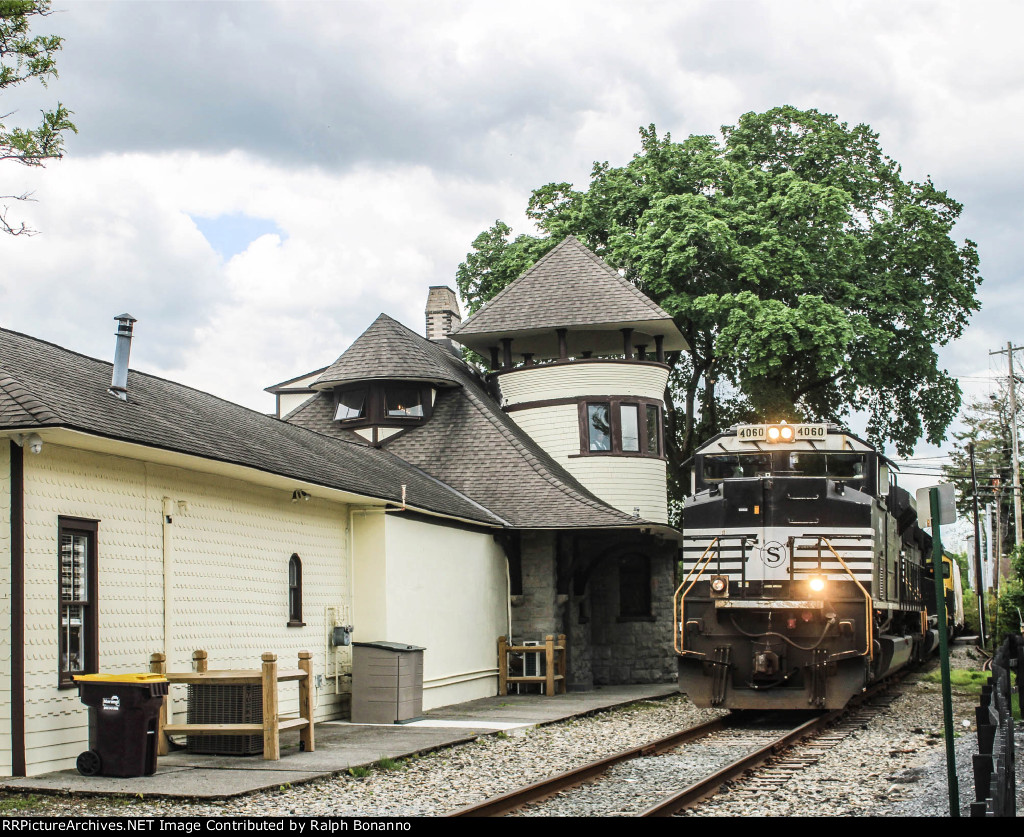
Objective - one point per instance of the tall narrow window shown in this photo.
(629, 421)
(599, 426)
(653, 431)
(77, 643)
(295, 592)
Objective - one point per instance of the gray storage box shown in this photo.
(387, 682)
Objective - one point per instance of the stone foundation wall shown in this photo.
(535, 613)
(632, 649)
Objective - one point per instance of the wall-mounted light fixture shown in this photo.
(299, 494)
(33, 441)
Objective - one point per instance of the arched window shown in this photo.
(295, 592)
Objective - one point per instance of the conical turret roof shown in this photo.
(570, 287)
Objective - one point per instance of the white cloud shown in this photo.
(118, 236)
(381, 137)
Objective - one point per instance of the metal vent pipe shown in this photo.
(122, 349)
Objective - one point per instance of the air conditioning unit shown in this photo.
(533, 663)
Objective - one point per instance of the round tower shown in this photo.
(578, 361)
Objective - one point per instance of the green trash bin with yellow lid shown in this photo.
(124, 716)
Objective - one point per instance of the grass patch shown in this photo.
(386, 763)
(359, 772)
(962, 679)
(18, 802)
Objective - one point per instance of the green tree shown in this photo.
(809, 278)
(987, 424)
(1010, 607)
(24, 57)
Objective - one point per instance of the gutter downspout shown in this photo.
(166, 521)
(350, 592)
(17, 610)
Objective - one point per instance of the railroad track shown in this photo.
(698, 760)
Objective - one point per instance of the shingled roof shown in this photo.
(569, 287)
(384, 352)
(470, 444)
(43, 385)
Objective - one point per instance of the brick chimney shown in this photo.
(442, 312)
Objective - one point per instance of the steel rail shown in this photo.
(496, 806)
(707, 787)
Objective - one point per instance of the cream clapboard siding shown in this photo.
(293, 400)
(230, 547)
(5, 607)
(441, 588)
(566, 380)
(625, 482)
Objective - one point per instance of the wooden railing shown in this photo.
(267, 677)
(553, 654)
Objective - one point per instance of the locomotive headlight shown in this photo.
(781, 432)
(719, 586)
(817, 583)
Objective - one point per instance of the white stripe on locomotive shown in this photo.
(768, 555)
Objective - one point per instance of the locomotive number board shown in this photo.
(759, 432)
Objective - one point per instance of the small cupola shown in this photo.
(387, 380)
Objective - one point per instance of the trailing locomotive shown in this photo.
(804, 570)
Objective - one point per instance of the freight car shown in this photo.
(804, 570)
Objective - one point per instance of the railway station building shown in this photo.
(399, 490)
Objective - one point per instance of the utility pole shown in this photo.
(998, 563)
(977, 548)
(1008, 351)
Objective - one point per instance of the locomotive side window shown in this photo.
(847, 466)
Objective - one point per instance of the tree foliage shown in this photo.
(802, 268)
(987, 424)
(24, 57)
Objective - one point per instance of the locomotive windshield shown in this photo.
(735, 465)
(844, 466)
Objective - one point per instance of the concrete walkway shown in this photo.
(341, 745)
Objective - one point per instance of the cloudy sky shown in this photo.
(255, 182)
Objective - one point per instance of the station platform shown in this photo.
(341, 745)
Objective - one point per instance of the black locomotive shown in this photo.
(804, 570)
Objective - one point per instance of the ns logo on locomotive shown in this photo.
(805, 574)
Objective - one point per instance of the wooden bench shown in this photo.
(267, 677)
(553, 679)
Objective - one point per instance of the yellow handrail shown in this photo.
(869, 634)
(680, 595)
